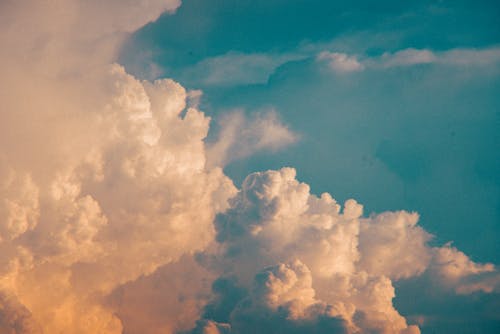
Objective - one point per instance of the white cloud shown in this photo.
(107, 191)
(343, 63)
(407, 57)
(240, 137)
(452, 269)
(340, 62)
(464, 57)
(316, 254)
(139, 197)
(282, 300)
(453, 57)
(103, 177)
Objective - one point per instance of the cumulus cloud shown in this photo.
(115, 215)
(303, 260)
(452, 269)
(282, 301)
(138, 198)
(103, 177)
(240, 136)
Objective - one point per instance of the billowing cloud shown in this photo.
(116, 217)
(103, 177)
(282, 301)
(137, 198)
(303, 260)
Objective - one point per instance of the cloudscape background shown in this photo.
(249, 167)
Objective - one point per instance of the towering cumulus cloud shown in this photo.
(102, 179)
(308, 265)
(114, 218)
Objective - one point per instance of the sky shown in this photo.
(236, 167)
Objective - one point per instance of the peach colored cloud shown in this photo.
(114, 214)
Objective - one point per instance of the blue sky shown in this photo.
(399, 134)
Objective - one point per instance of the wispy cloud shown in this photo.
(345, 63)
(454, 57)
(240, 137)
(340, 62)
(236, 68)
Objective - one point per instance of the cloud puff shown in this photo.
(450, 268)
(140, 192)
(282, 300)
(240, 137)
(340, 62)
(301, 256)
